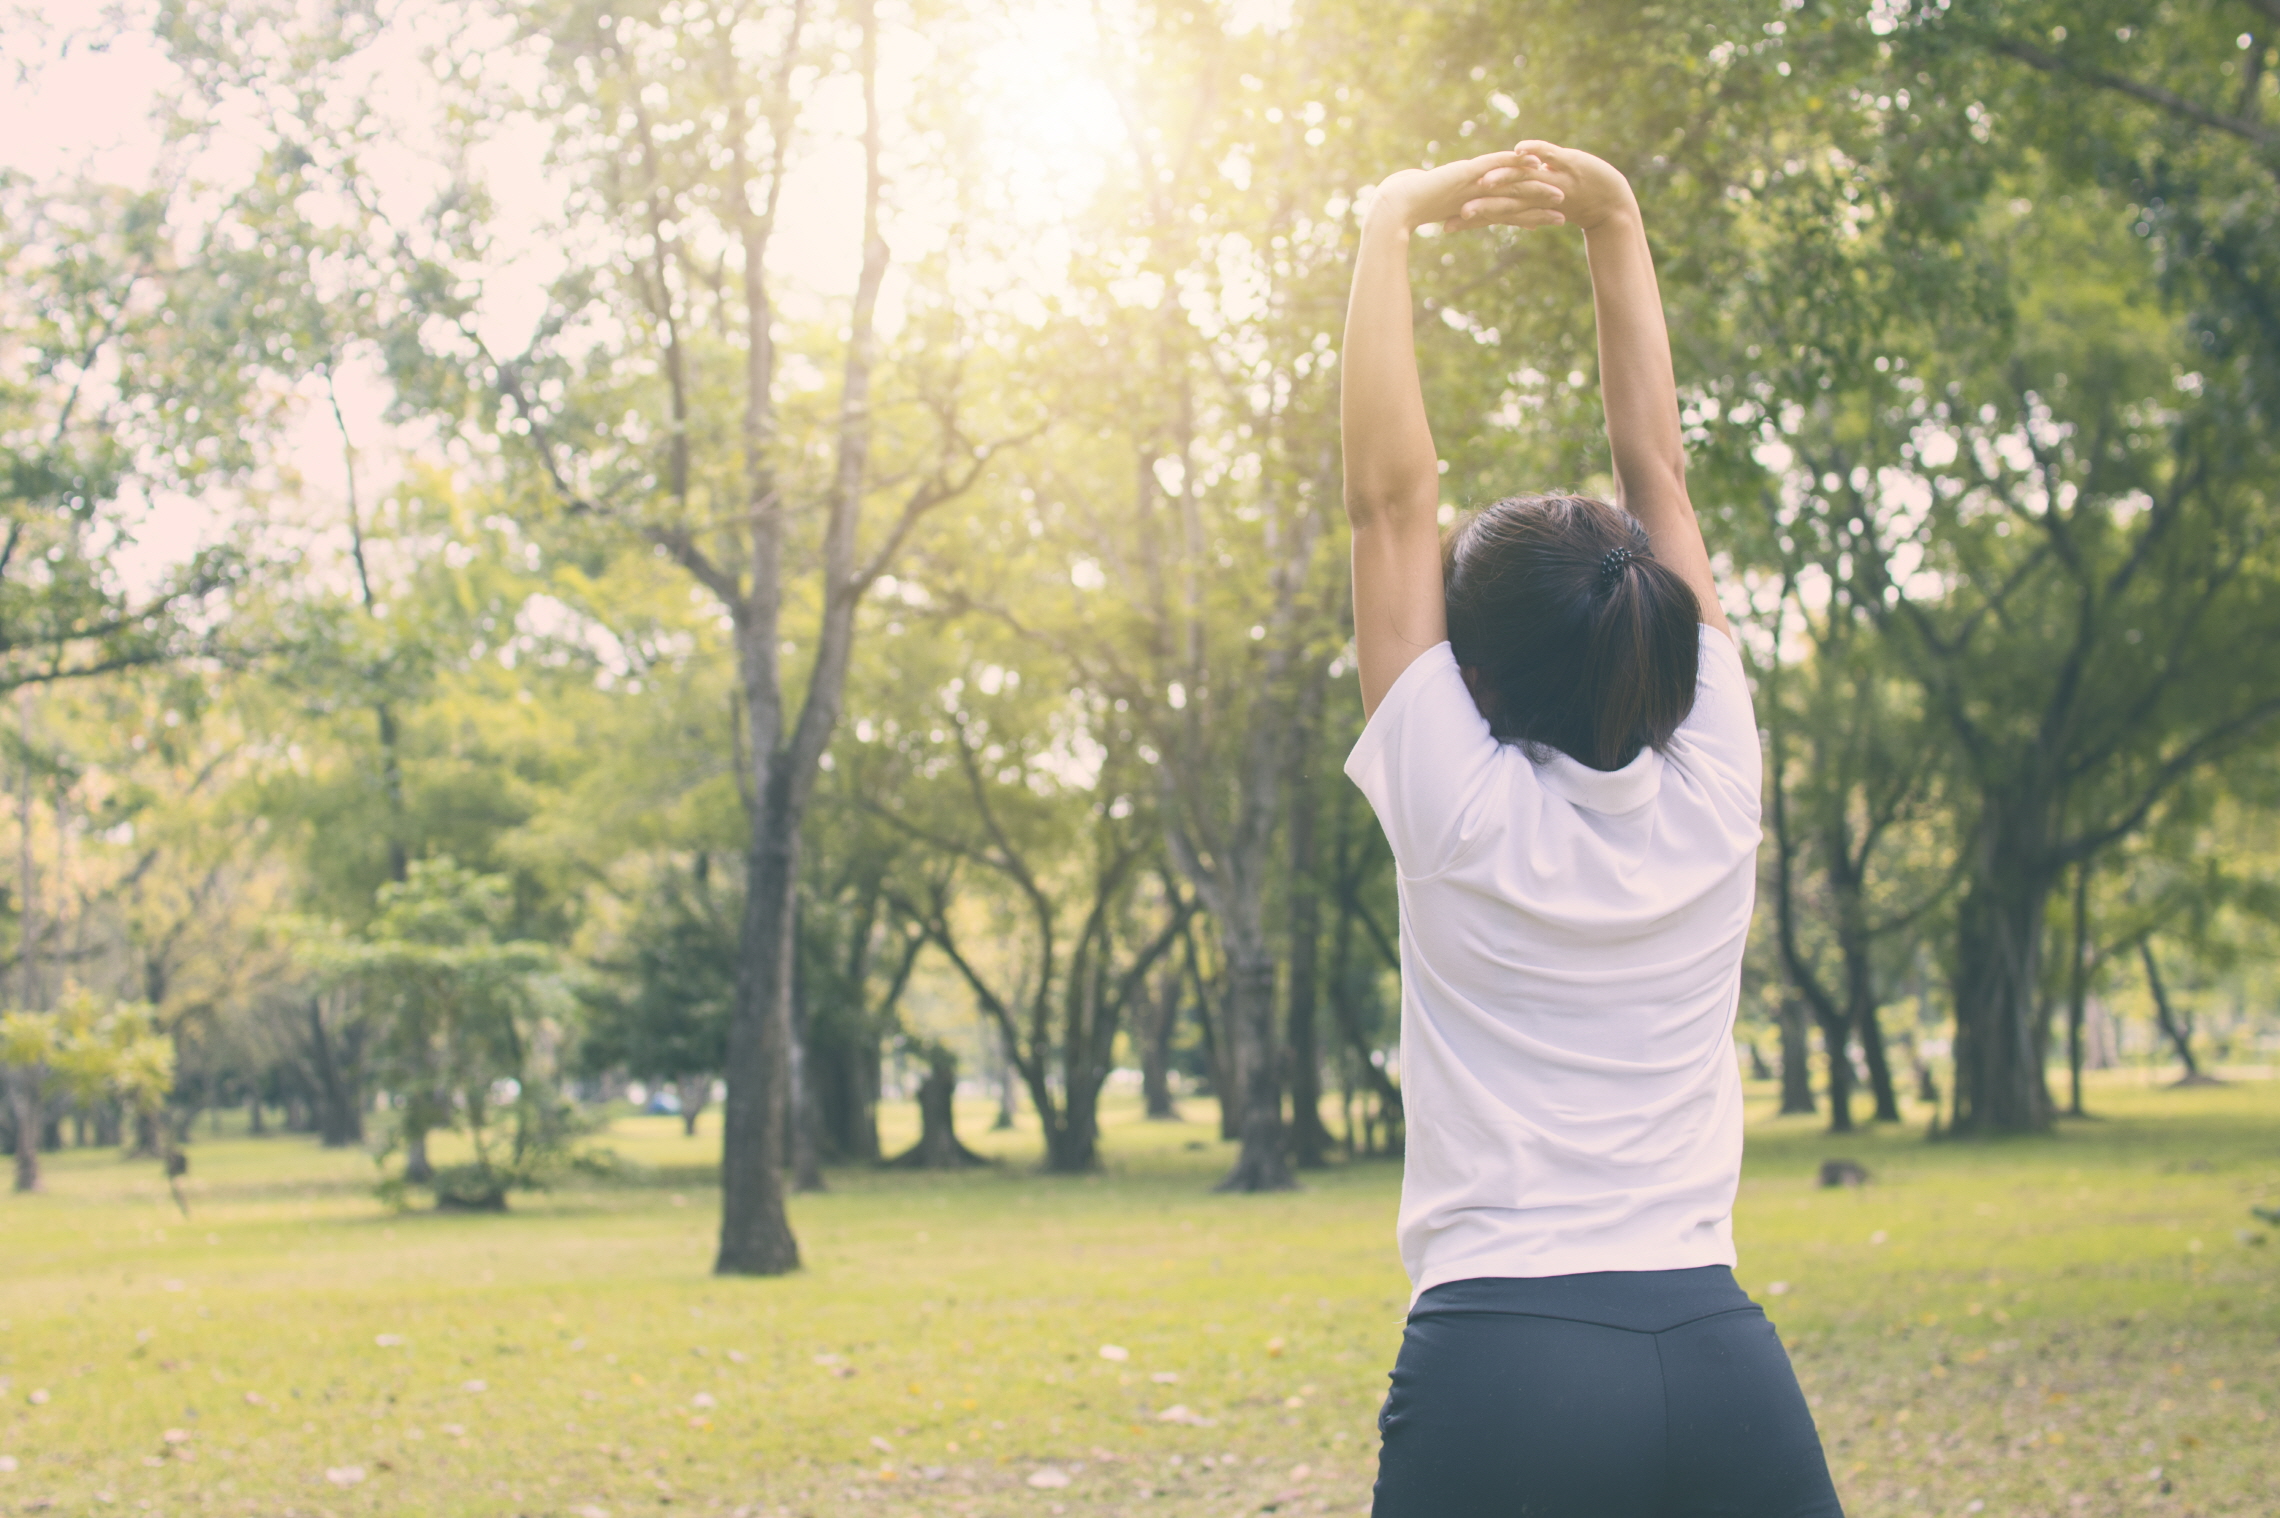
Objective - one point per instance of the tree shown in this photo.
(465, 1028)
(98, 396)
(88, 1048)
(663, 1013)
(682, 138)
(937, 1147)
(1043, 812)
(1848, 789)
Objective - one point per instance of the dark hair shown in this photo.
(1580, 640)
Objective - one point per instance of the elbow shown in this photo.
(1386, 502)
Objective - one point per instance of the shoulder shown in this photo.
(1721, 735)
(1429, 764)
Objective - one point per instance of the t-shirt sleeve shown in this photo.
(1426, 761)
(1720, 735)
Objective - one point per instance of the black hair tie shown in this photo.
(1611, 566)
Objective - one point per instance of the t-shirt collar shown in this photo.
(1623, 790)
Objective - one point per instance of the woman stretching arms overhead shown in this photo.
(1561, 751)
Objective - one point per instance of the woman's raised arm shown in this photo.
(1393, 483)
(1637, 387)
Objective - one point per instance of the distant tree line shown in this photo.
(700, 659)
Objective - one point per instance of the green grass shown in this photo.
(2042, 1326)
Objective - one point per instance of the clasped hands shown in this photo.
(1536, 184)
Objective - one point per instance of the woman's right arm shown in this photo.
(1393, 481)
(1637, 386)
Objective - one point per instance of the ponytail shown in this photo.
(1584, 643)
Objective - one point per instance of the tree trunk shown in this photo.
(845, 1081)
(863, 1100)
(1218, 1052)
(1796, 1059)
(2077, 990)
(806, 1113)
(1858, 947)
(1836, 1030)
(24, 1112)
(1262, 1164)
(1344, 1005)
(417, 1168)
(2179, 1033)
(1074, 1148)
(1310, 1141)
(1999, 1086)
(147, 1143)
(694, 1091)
(938, 1147)
(1009, 1094)
(2101, 1039)
(340, 1093)
(1871, 1032)
(755, 1235)
(1163, 1011)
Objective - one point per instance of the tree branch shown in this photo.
(2152, 94)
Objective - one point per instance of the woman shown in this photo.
(1561, 751)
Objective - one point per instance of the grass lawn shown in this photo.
(2072, 1325)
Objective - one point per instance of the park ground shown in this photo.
(2083, 1324)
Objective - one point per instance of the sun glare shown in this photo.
(1051, 122)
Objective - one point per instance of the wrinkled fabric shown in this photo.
(1571, 954)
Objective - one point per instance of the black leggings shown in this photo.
(1620, 1394)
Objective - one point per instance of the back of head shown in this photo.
(1576, 637)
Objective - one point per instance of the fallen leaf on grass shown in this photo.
(1115, 1352)
(703, 1399)
(345, 1475)
(1180, 1412)
(1166, 1378)
(1049, 1477)
(389, 1341)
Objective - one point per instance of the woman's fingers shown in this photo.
(1502, 158)
(1504, 214)
(1510, 199)
(1528, 172)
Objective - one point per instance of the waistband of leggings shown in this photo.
(1643, 1301)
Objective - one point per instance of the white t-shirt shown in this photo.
(1571, 955)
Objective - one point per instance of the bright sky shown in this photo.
(70, 108)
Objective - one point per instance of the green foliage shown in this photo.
(661, 1011)
(470, 1026)
(91, 1049)
(89, 402)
